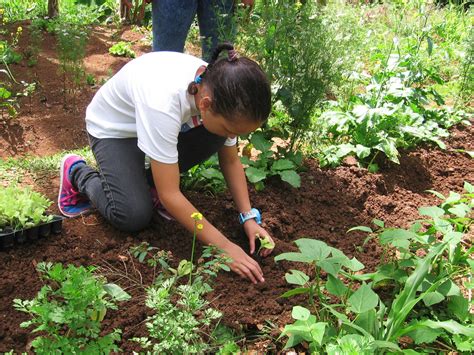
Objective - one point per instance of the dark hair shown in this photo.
(238, 86)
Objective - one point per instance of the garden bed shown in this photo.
(329, 202)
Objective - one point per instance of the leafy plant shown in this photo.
(304, 50)
(265, 243)
(22, 208)
(427, 266)
(69, 310)
(181, 314)
(122, 49)
(269, 163)
(395, 111)
(204, 177)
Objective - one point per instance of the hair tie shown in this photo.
(198, 79)
(232, 55)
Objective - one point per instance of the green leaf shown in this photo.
(363, 299)
(431, 211)
(468, 187)
(295, 291)
(300, 313)
(335, 286)
(378, 223)
(461, 210)
(396, 235)
(296, 277)
(459, 306)
(291, 177)
(317, 332)
(437, 194)
(360, 228)
(450, 326)
(116, 292)
(430, 45)
(362, 152)
(315, 250)
(432, 298)
(424, 335)
(260, 142)
(294, 257)
(255, 175)
(282, 164)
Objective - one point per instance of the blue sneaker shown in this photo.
(71, 202)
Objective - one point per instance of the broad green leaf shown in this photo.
(255, 175)
(362, 151)
(260, 142)
(393, 235)
(353, 265)
(330, 266)
(459, 306)
(317, 332)
(468, 187)
(363, 299)
(378, 223)
(335, 286)
(116, 292)
(424, 335)
(460, 210)
(300, 313)
(291, 177)
(367, 320)
(294, 257)
(453, 197)
(450, 326)
(282, 164)
(296, 277)
(314, 249)
(432, 298)
(295, 291)
(431, 211)
(360, 228)
(463, 344)
(449, 288)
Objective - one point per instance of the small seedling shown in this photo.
(265, 242)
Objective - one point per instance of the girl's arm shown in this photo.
(235, 177)
(166, 178)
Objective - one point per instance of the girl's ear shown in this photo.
(205, 103)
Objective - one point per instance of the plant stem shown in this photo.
(192, 252)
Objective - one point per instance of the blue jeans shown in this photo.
(119, 189)
(173, 18)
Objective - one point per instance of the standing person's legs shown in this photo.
(171, 20)
(119, 190)
(215, 24)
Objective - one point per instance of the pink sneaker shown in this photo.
(158, 206)
(71, 202)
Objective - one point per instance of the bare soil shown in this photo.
(329, 202)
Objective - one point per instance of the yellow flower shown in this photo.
(200, 226)
(19, 29)
(196, 216)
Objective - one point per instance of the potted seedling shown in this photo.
(24, 212)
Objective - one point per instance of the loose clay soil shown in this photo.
(329, 202)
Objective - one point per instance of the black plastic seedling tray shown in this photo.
(10, 237)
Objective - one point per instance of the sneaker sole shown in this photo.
(61, 169)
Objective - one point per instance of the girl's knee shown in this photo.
(133, 219)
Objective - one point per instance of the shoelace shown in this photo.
(72, 198)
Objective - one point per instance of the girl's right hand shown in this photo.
(242, 264)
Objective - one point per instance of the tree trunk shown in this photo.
(53, 8)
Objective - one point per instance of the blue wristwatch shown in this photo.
(253, 213)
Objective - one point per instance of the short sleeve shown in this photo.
(157, 133)
(230, 142)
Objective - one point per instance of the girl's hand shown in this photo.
(242, 264)
(253, 230)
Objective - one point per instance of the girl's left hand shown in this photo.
(252, 229)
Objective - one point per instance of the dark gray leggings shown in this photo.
(120, 190)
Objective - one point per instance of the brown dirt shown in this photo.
(329, 202)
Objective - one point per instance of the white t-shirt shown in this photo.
(148, 99)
